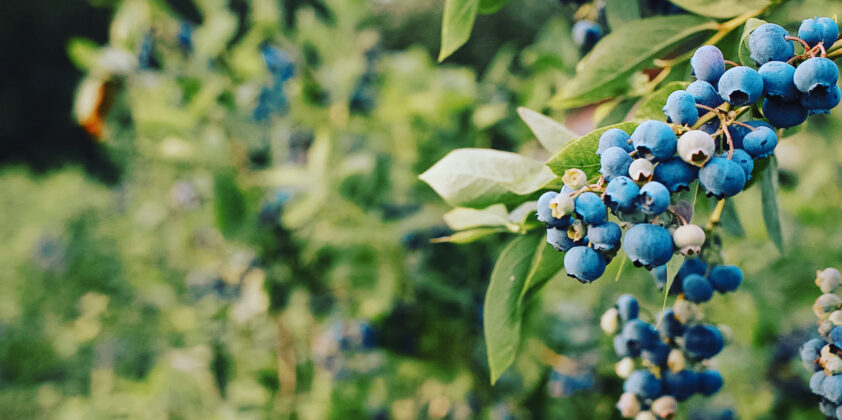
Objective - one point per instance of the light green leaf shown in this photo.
(581, 153)
(720, 9)
(82, 52)
(456, 25)
(551, 134)
(480, 177)
(468, 236)
(490, 6)
(651, 106)
(769, 200)
(619, 12)
(730, 220)
(462, 218)
(673, 266)
(520, 215)
(744, 53)
(605, 72)
(545, 265)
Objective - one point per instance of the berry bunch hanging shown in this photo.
(822, 355)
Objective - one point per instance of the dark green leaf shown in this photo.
(545, 265)
(581, 153)
(491, 6)
(456, 25)
(229, 203)
(745, 54)
(651, 106)
(619, 12)
(769, 200)
(605, 72)
(721, 9)
(618, 113)
(730, 220)
(551, 134)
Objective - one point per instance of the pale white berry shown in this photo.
(689, 239)
(828, 280)
(695, 147)
(610, 321)
(574, 178)
(686, 311)
(835, 318)
(645, 415)
(831, 363)
(676, 361)
(624, 367)
(628, 405)
(561, 205)
(665, 407)
(825, 304)
(577, 231)
(641, 170)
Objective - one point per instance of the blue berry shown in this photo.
(710, 382)
(185, 36)
(676, 174)
(659, 275)
(643, 384)
(622, 349)
(614, 162)
(816, 382)
(621, 193)
(777, 80)
(821, 101)
(639, 335)
(682, 384)
(584, 264)
(816, 72)
(708, 64)
(704, 94)
(654, 140)
(725, 278)
(768, 43)
(830, 31)
(614, 137)
(828, 408)
(545, 214)
(590, 209)
(627, 307)
(832, 388)
(703, 341)
(670, 326)
(681, 108)
(586, 34)
(738, 131)
(657, 355)
(722, 178)
(744, 160)
(782, 114)
(811, 31)
(654, 198)
(278, 62)
(810, 352)
(559, 240)
(741, 86)
(760, 142)
(605, 237)
(697, 289)
(648, 245)
(690, 266)
(836, 336)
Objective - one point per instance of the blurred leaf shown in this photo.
(617, 113)
(468, 236)
(82, 52)
(480, 177)
(745, 54)
(456, 25)
(522, 212)
(581, 153)
(720, 9)
(673, 266)
(730, 220)
(229, 203)
(651, 106)
(619, 12)
(551, 134)
(545, 265)
(769, 200)
(605, 71)
(462, 218)
(491, 6)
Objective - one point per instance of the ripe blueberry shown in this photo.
(590, 209)
(627, 307)
(614, 137)
(741, 86)
(614, 162)
(816, 72)
(605, 236)
(681, 385)
(704, 94)
(545, 212)
(768, 43)
(584, 264)
(760, 142)
(708, 64)
(670, 326)
(830, 31)
(725, 278)
(654, 140)
(586, 34)
(782, 114)
(648, 245)
(722, 178)
(710, 382)
(777, 80)
(643, 384)
(703, 341)
(675, 174)
(620, 194)
(697, 289)
(654, 198)
(681, 108)
(821, 101)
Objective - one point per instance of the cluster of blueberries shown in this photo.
(823, 356)
(662, 366)
(272, 99)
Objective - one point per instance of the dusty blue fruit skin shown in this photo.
(810, 351)
(743, 159)
(643, 384)
(681, 108)
(816, 382)
(590, 209)
(821, 101)
(627, 307)
(614, 162)
(586, 34)
(741, 86)
(738, 132)
(614, 138)
(654, 198)
(725, 278)
(622, 349)
(722, 178)
(681, 385)
(710, 382)
(768, 43)
(827, 408)
(761, 142)
(676, 174)
(621, 193)
(703, 341)
(648, 245)
(832, 388)
(816, 72)
(708, 64)
(836, 336)
(545, 214)
(697, 289)
(777, 80)
(830, 31)
(584, 264)
(560, 241)
(657, 355)
(704, 94)
(639, 335)
(690, 266)
(659, 275)
(783, 114)
(670, 326)
(605, 236)
(811, 31)
(654, 140)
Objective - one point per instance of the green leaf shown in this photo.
(744, 53)
(229, 203)
(545, 265)
(581, 153)
(468, 236)
(490, 6)
(551, 134)
(481, 177)
(673, 266)
(619, 12)
(769, 200)
(82, 52)
(462, 218)
(456, 25)
(730, 220)
(605, 72)
(651, 106)
(720, 9)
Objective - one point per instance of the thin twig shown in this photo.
(795, 38)
(717, 213)
(731, 63)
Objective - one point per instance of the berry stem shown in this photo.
(731, 63)
(728, 137)
(834, 54)
(795, 38)
(716, 215)
(742, 124)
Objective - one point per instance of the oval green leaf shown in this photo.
(550, 133)
(456, 25)
(581, 153)
(720, 9)
(769, 200)
(744, 53)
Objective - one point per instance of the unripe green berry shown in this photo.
(574, 178)
(695, 147)
(641, 170)
(689, 239)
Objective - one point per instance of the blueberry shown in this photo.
(605, 236)
(738, 132)
(836, 336)
(697, 289)
(559, 240)
(816, 382)
(654, 140)
(811, 31)
(832, 388)
(621, 193)
(278, 62)
(830, 31)
(590, 209)
(681, 385)
(675, 174)
(710, 382)
(695, 147)
(828, 408)
(704, 94)
(659, 275)
(614, 162)
(782, 114)
(725, 278)
(722, 178)
(586, 34)
(708, 64)
(584, 264)
(741, 86)
(744, 160)
(670, 326)
(643, 384)
(627, 307)
(654, 198)
(648, 245)
(690, 266)
(545, 213)
(562, 205)
(622, 349)
(681, 108)
(703, 341)
(816, 72)
(777, 80)
(821, 101)
(760, 142)
(768, 43)
(657, 355)
(614, 137)
(810, 352)
(639, 335)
